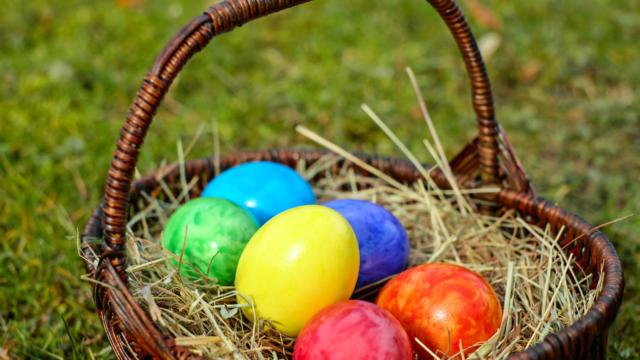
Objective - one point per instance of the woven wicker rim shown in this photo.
(488, 160)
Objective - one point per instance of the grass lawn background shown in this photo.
(567, 91)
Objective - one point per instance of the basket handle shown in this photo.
(223, 17)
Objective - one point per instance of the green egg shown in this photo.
(216, 231)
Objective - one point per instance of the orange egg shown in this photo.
(447, 307)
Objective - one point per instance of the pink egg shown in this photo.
(353, 330)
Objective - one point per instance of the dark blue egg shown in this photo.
(383, 242)
(262, 187)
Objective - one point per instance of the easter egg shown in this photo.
(353, 330)
(447, 307)
(383, 242)
(264, 188)
(299, 262)
(213, 233)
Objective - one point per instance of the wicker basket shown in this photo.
(488, 159)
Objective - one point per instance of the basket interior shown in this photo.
(168, 185)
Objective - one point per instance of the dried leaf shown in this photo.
(530, 70)
(127, 4)
(489, 44)
(227, 312)
(483, 15)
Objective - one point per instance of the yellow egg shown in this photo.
(299, 262)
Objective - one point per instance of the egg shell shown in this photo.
(382, 240)
(216, 231)
(443, 305)
(353, 330)
(299, 262)
(264, 188)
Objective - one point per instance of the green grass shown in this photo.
(566, 79)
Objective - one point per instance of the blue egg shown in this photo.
(383, 242)
(262, 187)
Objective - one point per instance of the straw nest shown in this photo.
(540, 287)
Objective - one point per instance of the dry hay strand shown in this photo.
(540, 287)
